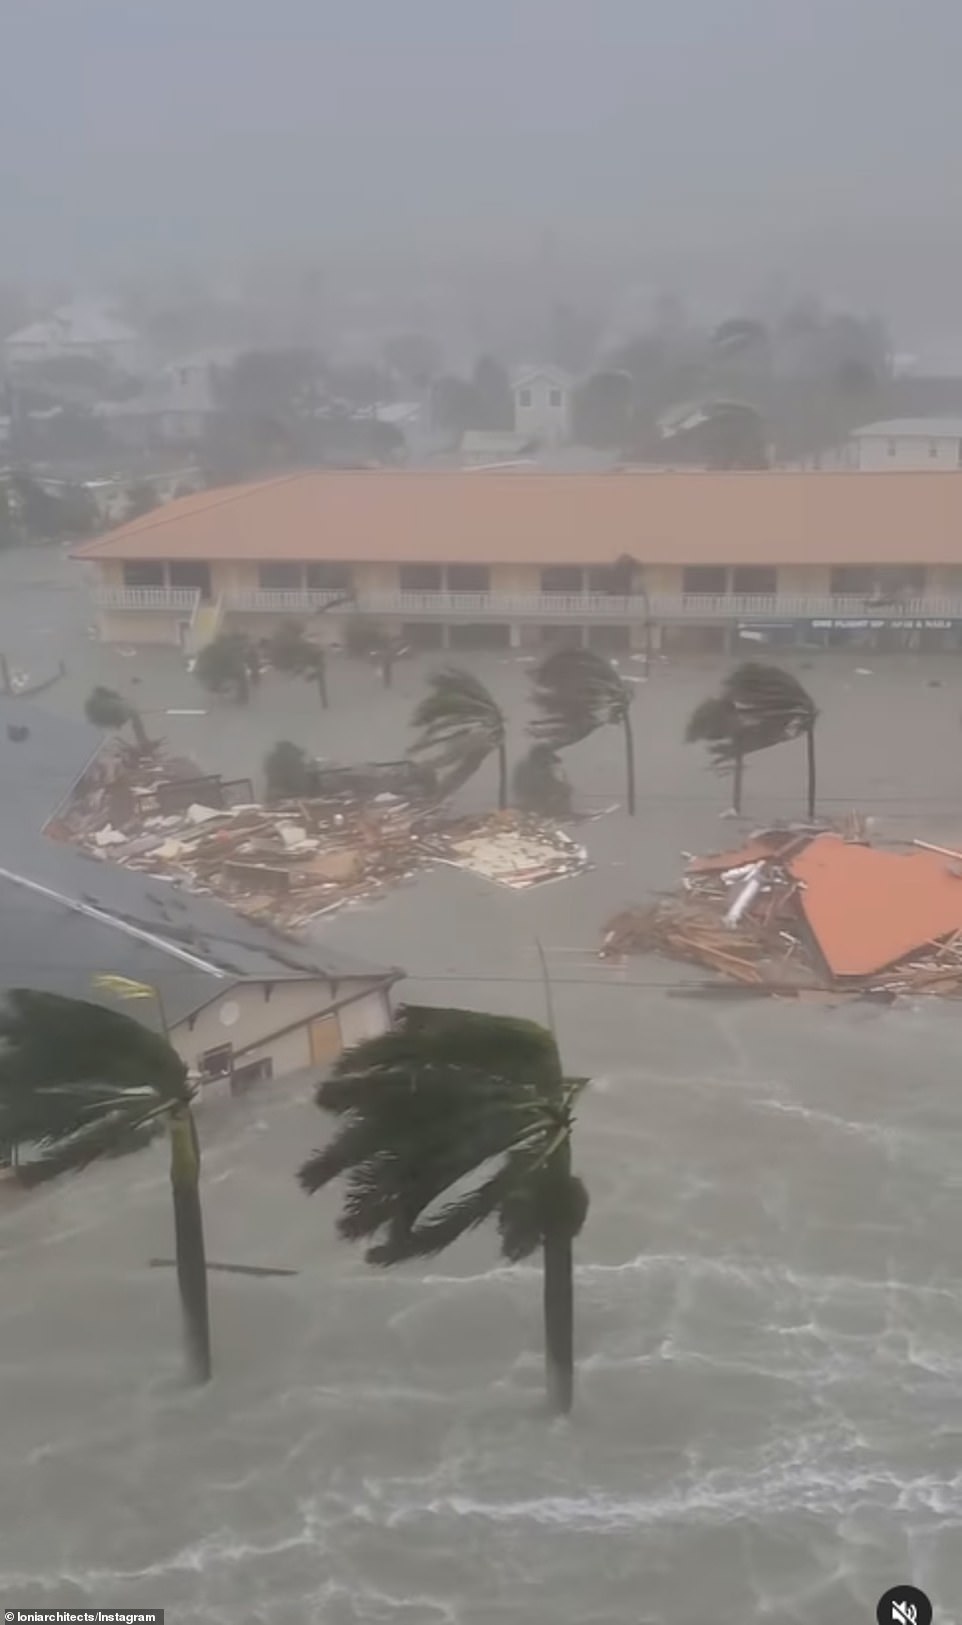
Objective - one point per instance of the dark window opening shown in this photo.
(216, 1063)
(856, 580)
(562, 578)
(605, 578)
(705, 578)
(328, 577)
(423, 634)
(562, 637)
(143, 573)
(468, 578)
(610, 639)
(250, 1073)
(755, 578)
(420, 577)
(490, 635)
(187, 573)
(524, 397)
(554, 397)
(278, 577)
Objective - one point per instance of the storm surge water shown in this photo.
(769, 1413)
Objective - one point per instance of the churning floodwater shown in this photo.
(769, 1416)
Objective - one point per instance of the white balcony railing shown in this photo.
(282, 601)
(184, 600)
(572, 608)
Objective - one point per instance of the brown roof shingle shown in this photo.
(492, 518)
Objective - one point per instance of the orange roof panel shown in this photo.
(869, 908)
(491, 518)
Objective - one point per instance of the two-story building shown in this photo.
(899, 443)
(497, 559)
(542, 405)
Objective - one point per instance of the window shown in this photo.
(609, 640)
(855, 580)
(562, 578)
(250, 1073)
(554, 397)
(420, 577)
(216, 1063)
(705, 578)
(892, 448)
(468, 578)
(933, 448)
(188, 573)
(524, 397)
(277, 577)
(755, 578)
(605, 578)
(327, 577)
(143, 573)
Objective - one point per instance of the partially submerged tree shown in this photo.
(759, 706)
(577, 691)
(539, 784)
(77, 1080)
(105, 708)
(228, 665)
(289, 772)
(461, 725)
(290, 650)
(452, 1097)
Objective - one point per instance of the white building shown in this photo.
(901, 443)
(78, 329)
(542, 404)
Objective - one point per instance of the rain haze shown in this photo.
(481, 811)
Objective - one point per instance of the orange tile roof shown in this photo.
(491, 518)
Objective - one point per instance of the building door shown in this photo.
(325, 1040)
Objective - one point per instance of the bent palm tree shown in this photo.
(105, 708)
(453, 1096)
(78, 1080)
(578, 691)
(228, 665)
(461, 725)
(759, 706)
(291, 650)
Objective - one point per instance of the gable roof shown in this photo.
(685, 517)
(534, 374)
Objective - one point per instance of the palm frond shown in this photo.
(47, 1039)
(457, 718)
(111, 1132)
(576, 691)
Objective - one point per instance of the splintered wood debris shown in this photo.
(809, 908)
(290, 861)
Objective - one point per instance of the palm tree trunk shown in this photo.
(322, 679)
(138, 730)
(558, 1268)
(630, 763)
(738, 774)
(502, 775)
(810, 754)
(189, 1241)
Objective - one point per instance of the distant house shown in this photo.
(542, 404)
(931, 443)
(241, 1002)
(174, 409)
(79, 329)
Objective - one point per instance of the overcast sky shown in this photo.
(141, 130)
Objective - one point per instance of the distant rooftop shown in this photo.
(907, 428)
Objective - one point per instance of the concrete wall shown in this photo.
(140, 626)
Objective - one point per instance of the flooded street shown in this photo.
(768, 1296)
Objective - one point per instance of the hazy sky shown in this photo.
(142, 130)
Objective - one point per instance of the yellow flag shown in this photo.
(123, 988)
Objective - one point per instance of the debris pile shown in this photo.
(804, 909)
(292, 860)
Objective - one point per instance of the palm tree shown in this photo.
(290, 650)
(77, 1081)
(759, 706)
(452, 1096)
(539, 785)
(105, 708)
(578, 691)
(461, 724)
(289, 772)
(228, 665)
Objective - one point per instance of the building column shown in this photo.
(514, 634)
(445, 635)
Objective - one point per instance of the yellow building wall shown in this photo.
(139, 626)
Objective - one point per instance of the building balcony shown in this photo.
(282, 601)
(179, 600)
